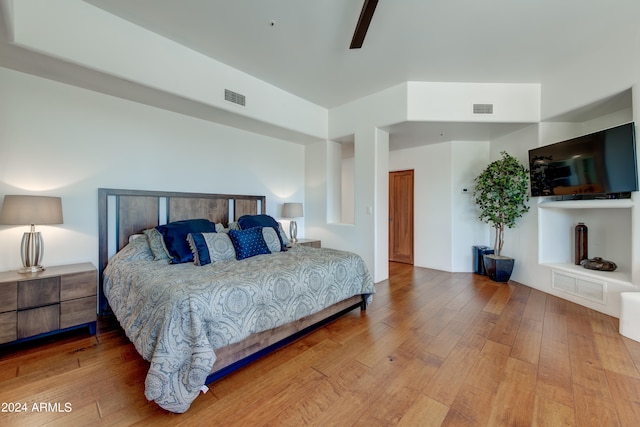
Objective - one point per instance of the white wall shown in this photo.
(334, 180)
(596, 73)
(81, 33)
(444, 229)
(348, 184)
(453, 102)
(445, 220)
(368, 235)
(468, 160)
(432, 202)
(364, 119)
(380, 208)
(60, 140)
(414, 101)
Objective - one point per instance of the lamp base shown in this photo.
(31, 270)
(32, 250)
(293, 231)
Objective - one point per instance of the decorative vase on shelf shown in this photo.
(581, 243)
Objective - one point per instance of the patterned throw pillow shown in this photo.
(156, 244)
(249, 242)
(137, 249)
(220, 246)
(210, 247)
(283, 235)
(271, 239)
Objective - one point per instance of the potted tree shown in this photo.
(501, 194)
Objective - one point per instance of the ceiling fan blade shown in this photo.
(366, 14)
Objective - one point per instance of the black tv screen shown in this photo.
(599, 165)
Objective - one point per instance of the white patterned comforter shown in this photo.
(177, 315)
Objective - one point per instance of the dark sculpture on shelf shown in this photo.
(598, 264)
(582, 247)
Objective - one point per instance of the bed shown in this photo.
(197, 323)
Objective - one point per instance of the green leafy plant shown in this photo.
(501, 193)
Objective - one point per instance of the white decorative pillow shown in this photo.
(271, 239)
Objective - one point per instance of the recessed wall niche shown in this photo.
(341, 181)
(609, 223)
(612, 223)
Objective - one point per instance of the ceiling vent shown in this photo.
(234, 97)
(482, 108)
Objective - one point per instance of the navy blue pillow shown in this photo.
(201, 248)
(262, 220)
(249, 242)
(175, 234)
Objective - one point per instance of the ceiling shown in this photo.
(302, 46)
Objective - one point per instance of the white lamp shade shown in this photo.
(292, 210)
(28, 210)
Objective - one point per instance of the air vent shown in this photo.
(591, 289)
(234, 97)
(482, 108)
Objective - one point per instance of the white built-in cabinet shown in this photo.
(612, 226)
(610, 237)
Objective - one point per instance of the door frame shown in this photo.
(410, 207)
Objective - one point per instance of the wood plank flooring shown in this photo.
(434, 349)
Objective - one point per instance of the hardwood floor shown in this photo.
(433, 349)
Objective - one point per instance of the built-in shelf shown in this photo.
(587, 204)
(619, 276)
(609, 236)
(613, 223)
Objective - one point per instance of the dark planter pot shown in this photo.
(498, 269)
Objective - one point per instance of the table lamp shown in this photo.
(292, 210)
(31, 210)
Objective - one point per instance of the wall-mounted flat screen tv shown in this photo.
(599, 165)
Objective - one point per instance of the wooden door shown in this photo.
(401, 216)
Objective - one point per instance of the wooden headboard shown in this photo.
(122, 213)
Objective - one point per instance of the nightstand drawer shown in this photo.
(37, 292)
(78, 311)
(8, 327)
(78, 285)
(8, 296)
(59, 297)
(38, 320)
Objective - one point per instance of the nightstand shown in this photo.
(50, 301)
(309, 242)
